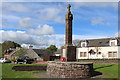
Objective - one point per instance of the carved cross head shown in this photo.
(69, 7)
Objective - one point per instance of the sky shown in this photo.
(42, 24)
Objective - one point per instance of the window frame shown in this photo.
(83, 54)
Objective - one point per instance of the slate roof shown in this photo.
(43, 53)
(99, 42)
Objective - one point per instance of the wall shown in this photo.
(69, 69)
(104, 52)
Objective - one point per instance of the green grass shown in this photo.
(108, 70)
(7, 72)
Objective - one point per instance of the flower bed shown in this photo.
(29, 68)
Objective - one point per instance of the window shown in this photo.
(112, 54)
(113, 42)
(83, 54)
(83, 44)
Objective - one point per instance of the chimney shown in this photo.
(30, 47)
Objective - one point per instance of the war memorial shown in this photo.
(69, 68)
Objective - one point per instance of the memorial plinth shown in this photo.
(69, 69)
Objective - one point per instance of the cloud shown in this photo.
(41, 41)
(44, 29)
(15, 7)
(8, 19)
(97, 21)
(51, 14)
(23, 38)
(103, 21)
(98, 4)
(25, 22)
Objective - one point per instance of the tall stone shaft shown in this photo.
(68, 18)
(68, 50)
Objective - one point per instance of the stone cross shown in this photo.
(68, 50)
(68, 19)
(69, 7)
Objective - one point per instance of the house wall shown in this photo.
(104, 52)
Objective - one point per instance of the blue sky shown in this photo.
(46, 21)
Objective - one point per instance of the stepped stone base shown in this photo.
(69, 69)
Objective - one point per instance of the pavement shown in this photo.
(41, 62)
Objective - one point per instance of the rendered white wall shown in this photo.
(104, 52)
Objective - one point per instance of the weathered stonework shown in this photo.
(69, 50)
(69, 69)
(68, 18)
(69, 53)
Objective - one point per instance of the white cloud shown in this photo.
(103, 21)
(44, 29)
(15, 7)
(53, 14)
(97, 21)
(25, 22)
(6, 19)
(101, 4)
(40, 41)
(10, 17)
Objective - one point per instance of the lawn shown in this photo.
(7, 71)
(107, 70)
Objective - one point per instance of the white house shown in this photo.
(105, 48)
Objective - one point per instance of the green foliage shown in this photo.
(52, 48)
(9, 44)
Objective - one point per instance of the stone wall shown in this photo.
(69, 69)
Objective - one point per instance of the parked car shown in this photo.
(25, 60)
(3, 60)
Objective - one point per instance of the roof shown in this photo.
(99, 42)
(42, 52)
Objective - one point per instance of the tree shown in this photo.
(9, 44)
(52, 48)
(76, 42)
